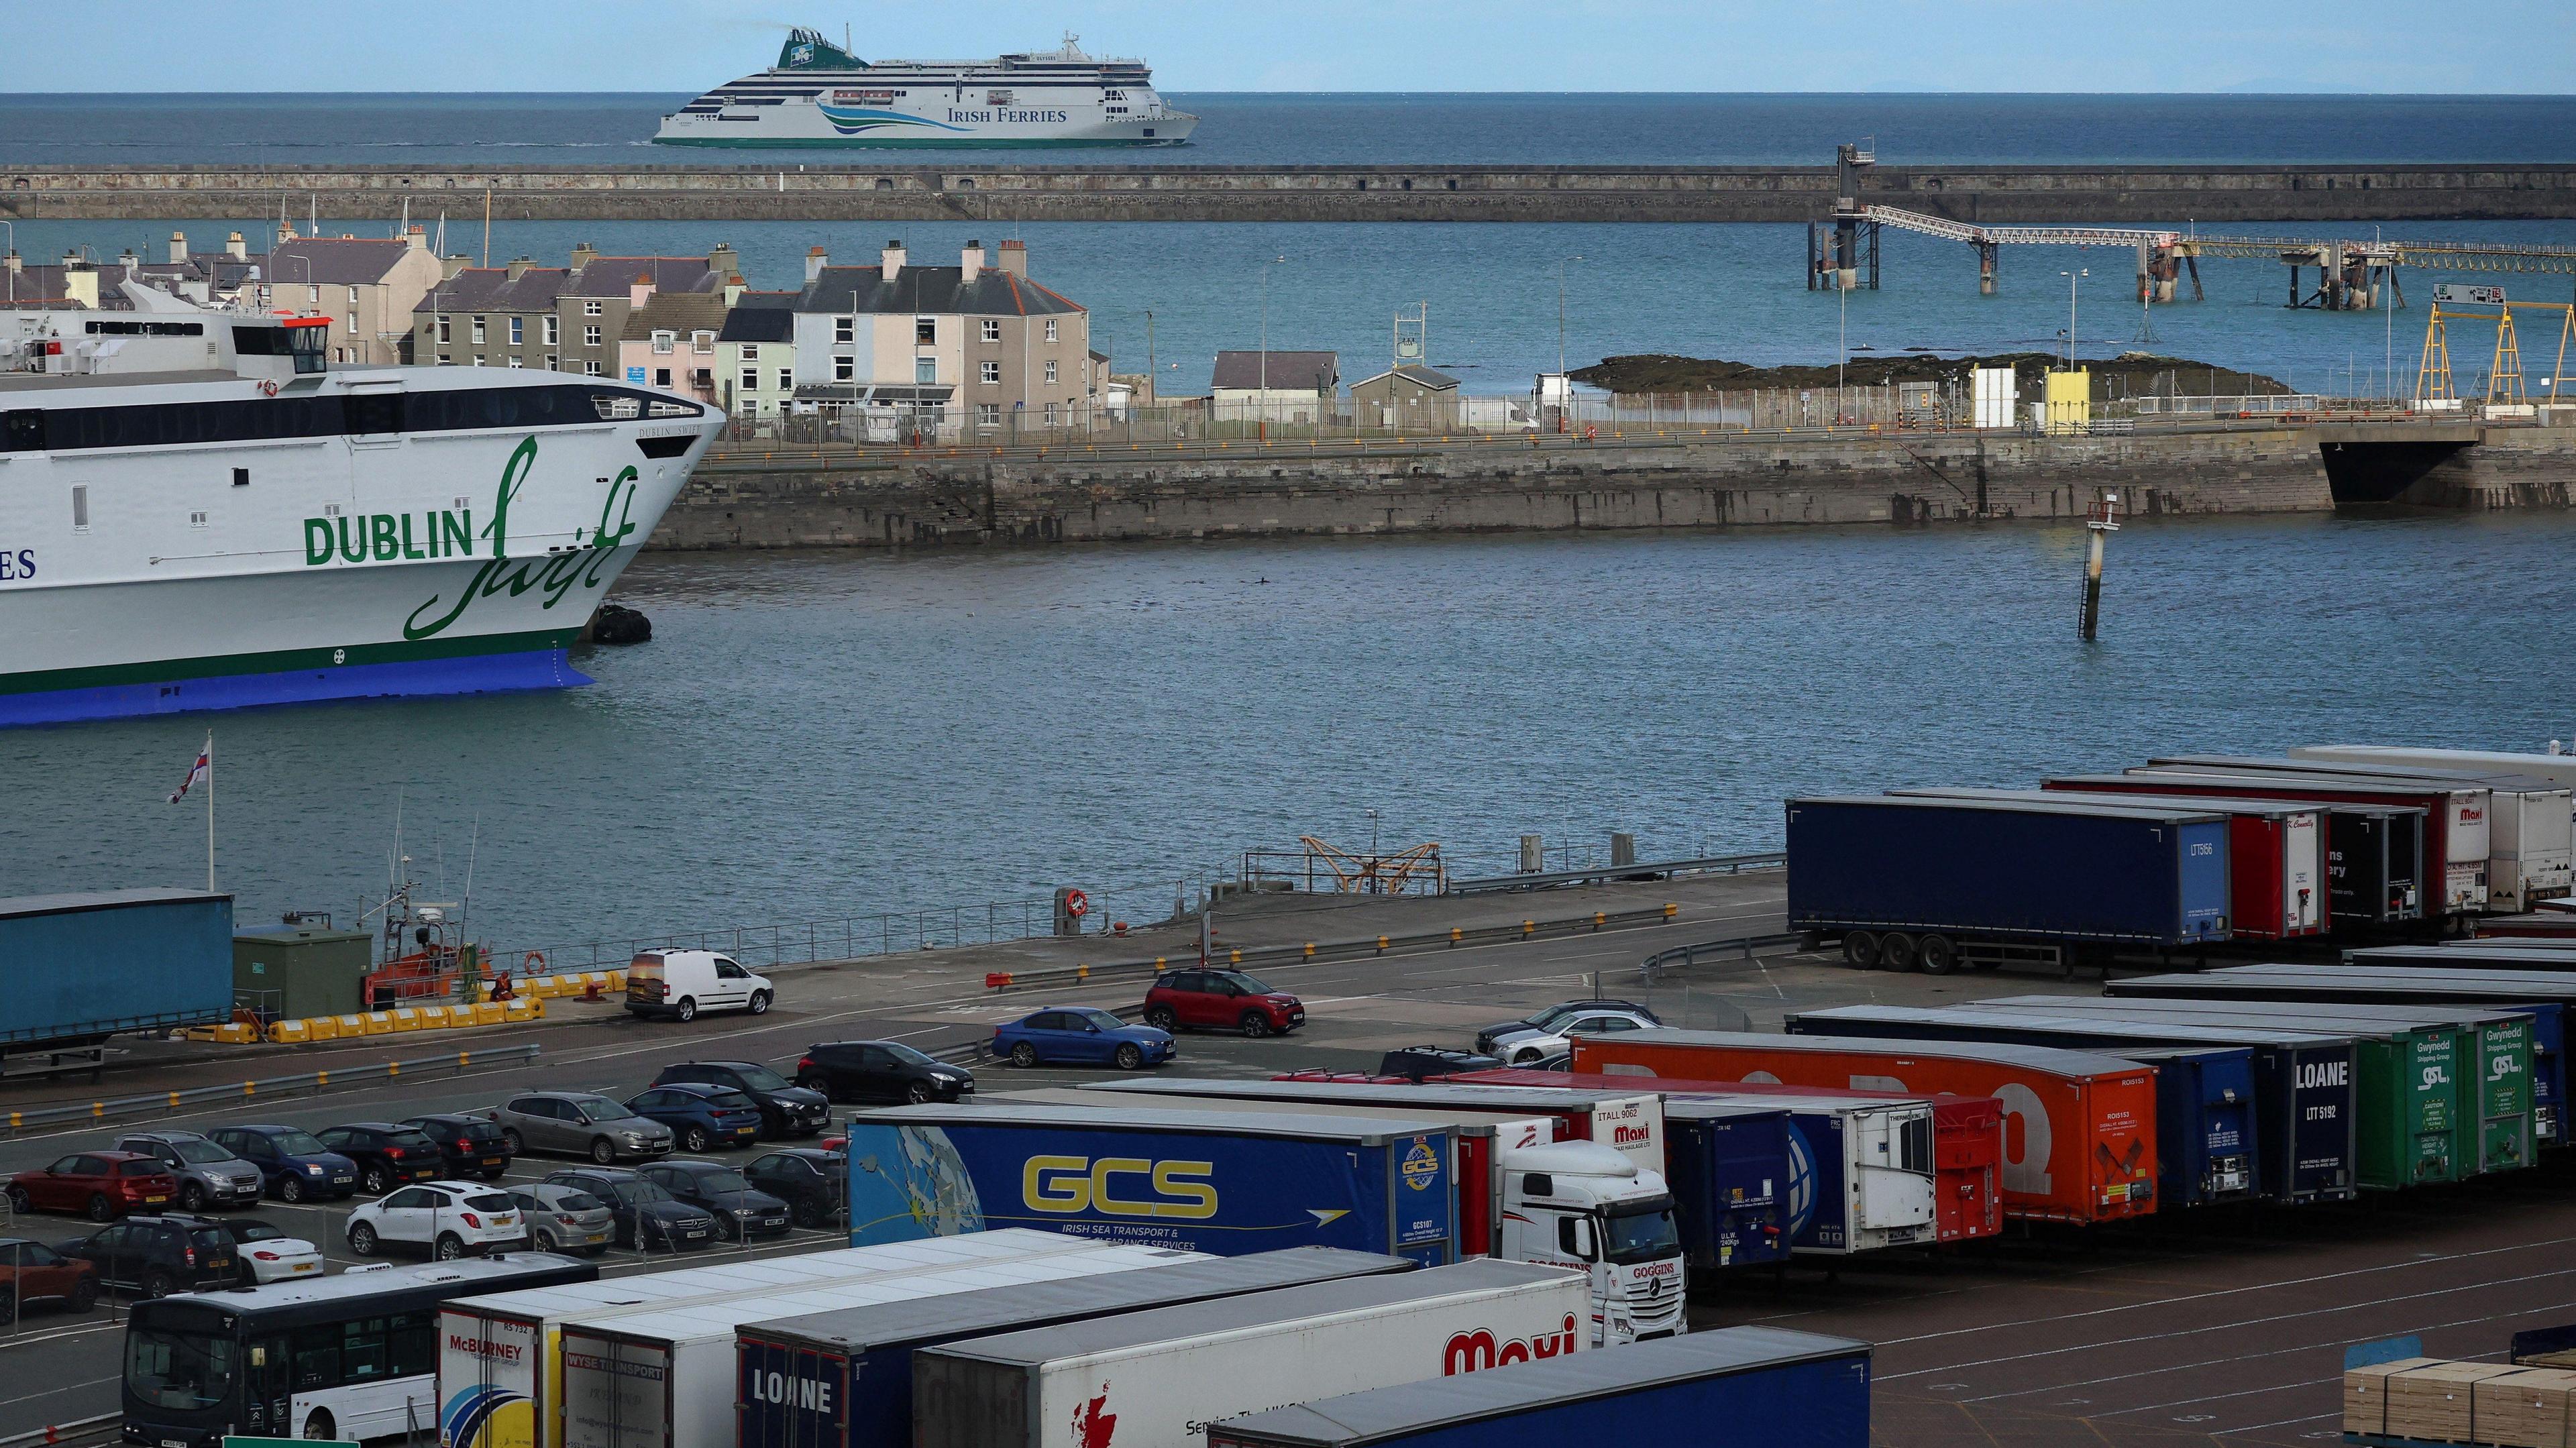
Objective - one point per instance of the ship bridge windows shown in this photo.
(373, 414)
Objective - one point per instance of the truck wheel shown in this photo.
(1860, 948)
(1896, 951)
(1938, 954)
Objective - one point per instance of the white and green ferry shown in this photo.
(197, 511)
(821, 95)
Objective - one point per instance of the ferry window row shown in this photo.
(67, 429)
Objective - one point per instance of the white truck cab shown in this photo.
(1588, 1206)
(681, 983)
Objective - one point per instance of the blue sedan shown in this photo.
(701, 1116)
(297, 1167)
(1082, 1036)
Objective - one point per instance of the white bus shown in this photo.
(348, 1357)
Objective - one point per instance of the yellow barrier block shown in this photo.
(287, 1033)
(434, 1018)
(322, 1028)
(1381, 942)
(234, 1033)
(523, 1009)
(378, 1023)
(1310, 950)
(543, 986)
(491, 1013)
(1671, 910)
(615, 981)
(352, 1025)
(405, 1018)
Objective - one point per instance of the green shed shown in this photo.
(299, 972)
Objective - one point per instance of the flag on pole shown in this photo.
(204, 766)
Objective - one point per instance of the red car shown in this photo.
(1222, 1000)
(30, 1270)
(100, 1185)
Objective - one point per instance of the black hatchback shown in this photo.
(786, 1108)
(742, 1211)
(814, 1183)
(156, 1256)
(881, 1071)
(468, 1146)
(388, 1156)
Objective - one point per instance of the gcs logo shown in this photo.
(1071, 1185)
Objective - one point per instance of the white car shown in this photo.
(449, 1219)
(681, 983)
(1534, 1046)
(272, 1255)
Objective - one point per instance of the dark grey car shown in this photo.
(580, 1123)
(564, 1218)
(647, 1216)
(741, 1209)
(209, 1176)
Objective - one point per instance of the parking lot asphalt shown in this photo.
(2219, 1329)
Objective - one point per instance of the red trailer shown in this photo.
(2079, 1128)
(1967, 1135)
(2276, 856)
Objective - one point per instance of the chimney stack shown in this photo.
(640, 288)
(80, 282)
(724, 261)
(416, 239)
(1014, 258)
(890, 260)
(15, 264)
(448, 267)
(733, 288)
(816, 259)
(583, 255)
(520, 266)
(178, 248)
(970, 262)
(236, 248)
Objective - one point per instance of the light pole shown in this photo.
(11, 256)
(1842, 343)
(2070, 311)
(1564, 393)
(1262, 425)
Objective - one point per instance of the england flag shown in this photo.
(204, 766)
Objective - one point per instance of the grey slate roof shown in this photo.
(761, 317)
(491, 289)
(334, 261)
(1320, 371)
(47, 286)
(613, 276)
(931, 291)
(681, 312)
(1420, 376)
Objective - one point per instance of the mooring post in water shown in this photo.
(2097, 522)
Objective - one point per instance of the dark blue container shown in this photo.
(2303, 1080)
(1731, 1170)
(83, 967)
(1973, 869)
(844, 1379)
(2207, 1131)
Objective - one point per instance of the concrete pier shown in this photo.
(742, 498)
(848, 190)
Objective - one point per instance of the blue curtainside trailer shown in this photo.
(1733, 1177)
(1908, 881)
(85, 967)
(1204, 1181)
(1750, 1385)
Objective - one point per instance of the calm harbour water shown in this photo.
(814, 736)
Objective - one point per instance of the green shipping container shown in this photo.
(2504, 1078)
(297, 973)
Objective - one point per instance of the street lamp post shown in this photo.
(2071, 278)
(1842, 344)
(1564, 393)
(1261, 424)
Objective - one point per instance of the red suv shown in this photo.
(1223, 999)
(100, 1185)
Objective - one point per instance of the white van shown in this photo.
(681, 983)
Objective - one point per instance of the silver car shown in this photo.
(209, 1176)
(580, 1123)
(565, 1219)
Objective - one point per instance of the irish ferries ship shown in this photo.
(821, 95)
(198, 512)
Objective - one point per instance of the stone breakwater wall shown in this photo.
(854, 189)
(740, 500)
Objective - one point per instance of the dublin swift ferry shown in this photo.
(198, 511)
(821, 95)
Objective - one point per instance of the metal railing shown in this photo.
(1642, 870)
(164, 1103)
(1735, 947)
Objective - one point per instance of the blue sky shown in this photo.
(2512, 46)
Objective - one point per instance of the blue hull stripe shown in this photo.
(475, 674)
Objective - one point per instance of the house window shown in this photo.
(844, 369)
(992, 329)
(446, 361)
(1050, 374)
(702, 343)
(751, 379)
(196, 520)
(517, 361)
(353, 300)
(590, 309)
(550, 361)
(478, 331)
(925, 330)
(590, 369)
(925, 370)
(750, 353)
(992, 373)
(845, 329)
(590, 336)
(661, 376)
(786, 379)
(518, 330)
(1050, 414)
(446, 330)
(988, 414)
(1050, 331)
(551, 328)
(703, 379)
(663, 342)
(750, 408)
(478, 359)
